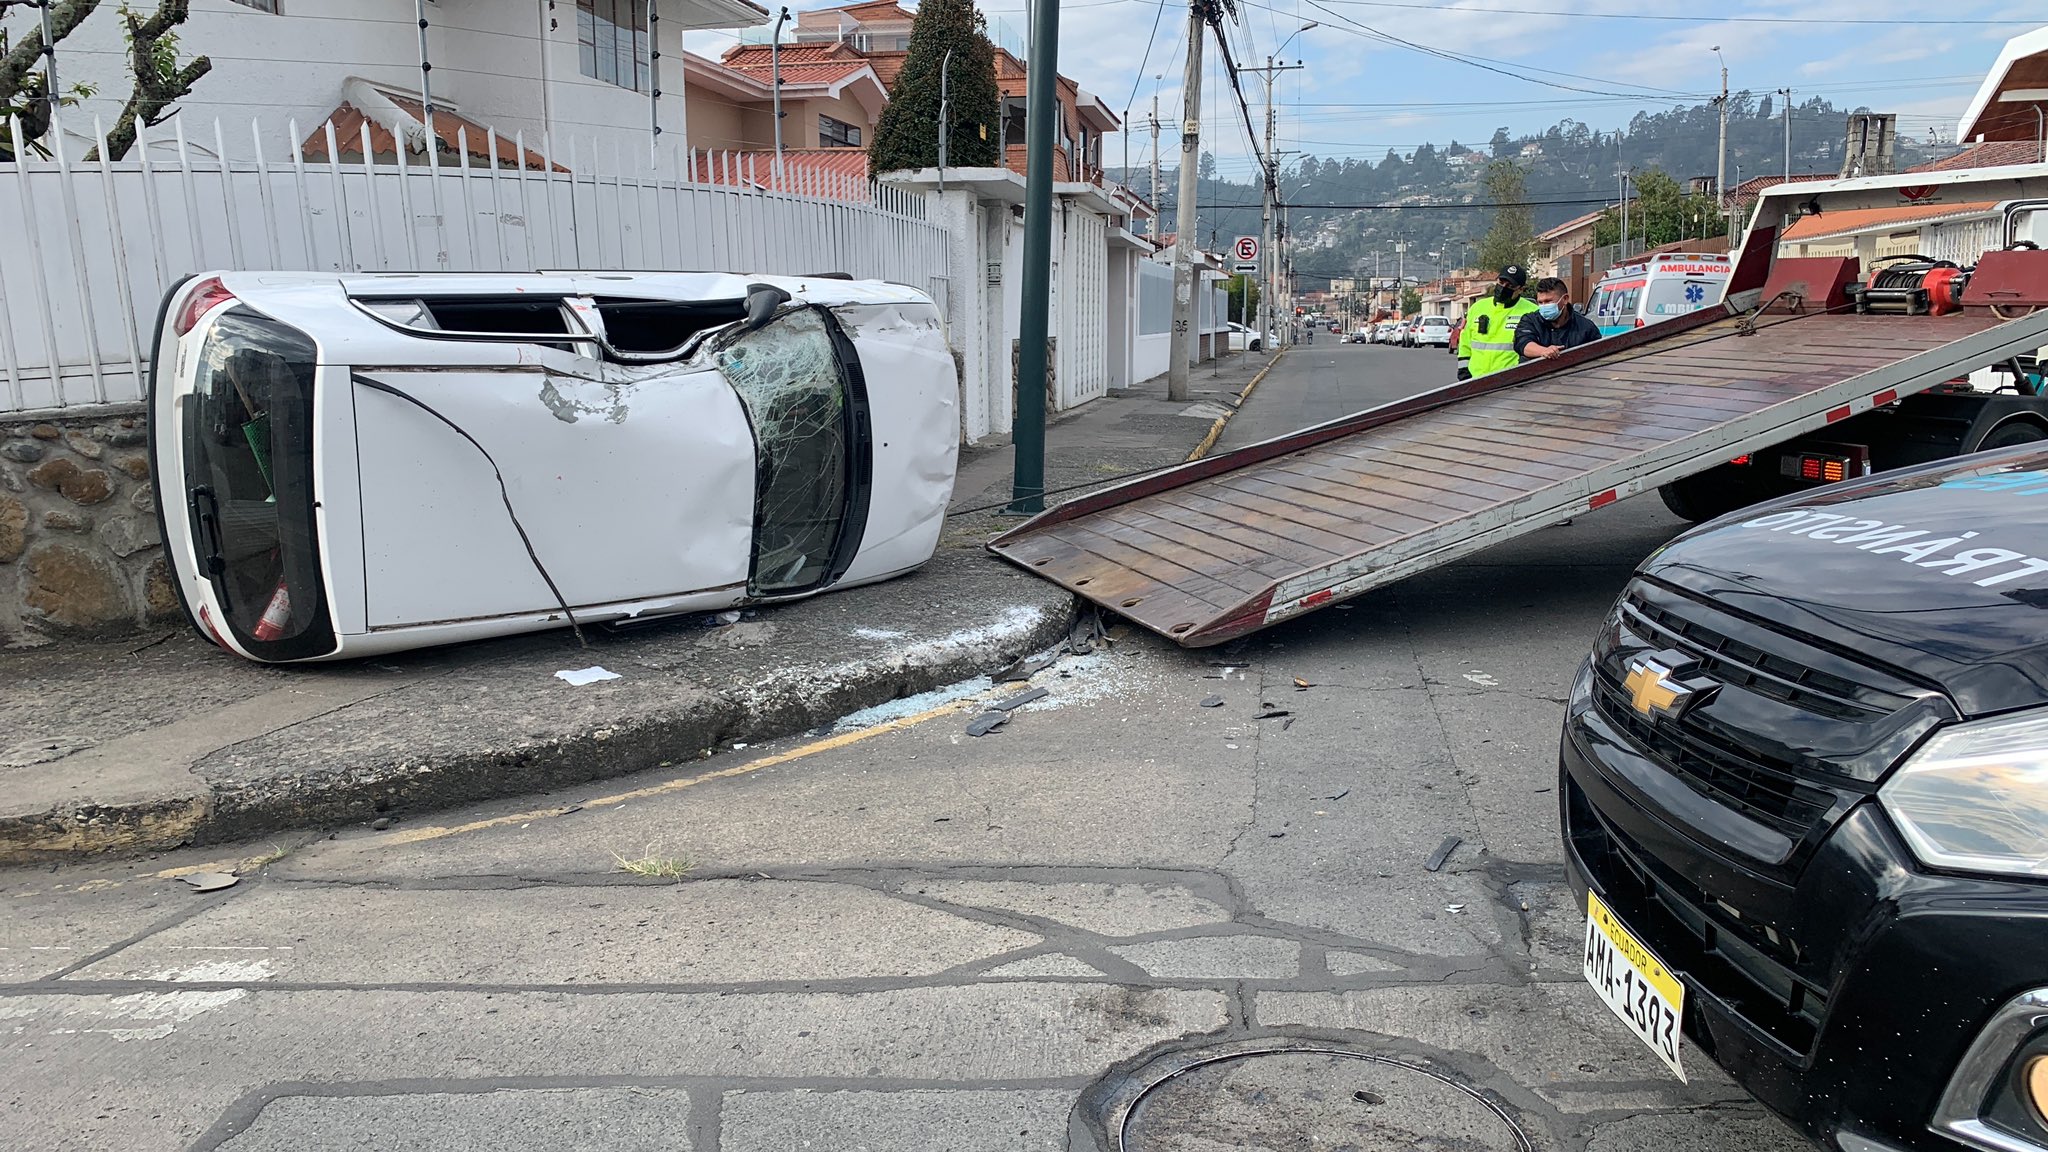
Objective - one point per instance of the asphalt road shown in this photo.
(901, 937)
(1328, 379)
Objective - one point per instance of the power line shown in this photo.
(1488, 206)
(1680, 19)
(1499, 67)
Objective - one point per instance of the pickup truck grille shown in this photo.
(1794, 733)
(1770, 794)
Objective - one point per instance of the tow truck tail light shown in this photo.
(1742, 459)
(1815, 468)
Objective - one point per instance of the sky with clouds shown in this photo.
(1526, 64)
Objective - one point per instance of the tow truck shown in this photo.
(1811, 370)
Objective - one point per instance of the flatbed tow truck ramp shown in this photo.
(1230, 544)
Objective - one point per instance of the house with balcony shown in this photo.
(552, 71)
(878, 32)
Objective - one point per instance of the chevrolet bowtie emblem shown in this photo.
(1653, 691)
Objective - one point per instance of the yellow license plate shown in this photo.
(1636, 985)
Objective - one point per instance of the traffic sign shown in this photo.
(1247, 249)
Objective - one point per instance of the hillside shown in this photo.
(1570, 165)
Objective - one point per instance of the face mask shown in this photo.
(1549, 311)
(1504, 294)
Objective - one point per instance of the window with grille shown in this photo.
(611, 42)
(269, 6)
(837, 133)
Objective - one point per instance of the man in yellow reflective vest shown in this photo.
(1488, 342)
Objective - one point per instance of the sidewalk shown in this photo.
(152, 742)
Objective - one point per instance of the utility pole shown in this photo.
(775, 77)
(1041, 109)
(1181, 346)
(1721, 159)
(1400, 277)
(1152, 189)
(1787, 110)
(1268, 258)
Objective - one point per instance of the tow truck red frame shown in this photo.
(1233, 543)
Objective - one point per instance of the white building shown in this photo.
(564, 69)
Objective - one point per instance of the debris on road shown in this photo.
(986, 723)
(578, 677)
(1443, 852)
(1272, 713)
(1019, 700)
(1212, 702)
(211, 881)
(1301, 685)
(1026, 668)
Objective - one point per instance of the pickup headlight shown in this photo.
(1975, 797)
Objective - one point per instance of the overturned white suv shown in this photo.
(353, 464)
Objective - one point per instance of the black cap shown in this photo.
(1514, 274)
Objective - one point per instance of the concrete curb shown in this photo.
(346, 784)
(1216, 429)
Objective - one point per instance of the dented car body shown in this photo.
(356, 464)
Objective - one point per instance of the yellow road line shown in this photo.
(828, 744)
(1216, 429)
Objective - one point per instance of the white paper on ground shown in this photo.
(582, 676)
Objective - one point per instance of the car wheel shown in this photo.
(2008, 435)
(1710, 494)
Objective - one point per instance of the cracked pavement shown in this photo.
(914, 939)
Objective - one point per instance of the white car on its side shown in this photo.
(351, 464)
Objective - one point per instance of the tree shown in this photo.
(1206, 168)
(907, 134)
(1500, 143)
(1411, 301)
(1513, 234)
(25, 92)
(1244, 299)
(1664, 210)
(159, 80)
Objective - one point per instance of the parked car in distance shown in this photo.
(1360, 335)
(1404, 333)
(352, 464)
(1456, 332)
(1803, 789)
(1433, 331)
(1244, 338)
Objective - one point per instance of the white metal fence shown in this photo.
(94, 245)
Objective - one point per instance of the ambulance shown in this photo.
(1658, 288)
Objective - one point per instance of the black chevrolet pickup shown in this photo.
(1804, 791)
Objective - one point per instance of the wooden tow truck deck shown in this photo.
(1224, 546)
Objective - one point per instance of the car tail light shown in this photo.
(1742, 459)
(1639, 321)
(209, 293)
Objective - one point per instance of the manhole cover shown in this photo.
(1325, 1099)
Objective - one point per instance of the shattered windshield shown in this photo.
(787, 376)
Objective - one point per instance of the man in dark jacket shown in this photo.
(1555, 326)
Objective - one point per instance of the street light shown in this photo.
(1293, 34)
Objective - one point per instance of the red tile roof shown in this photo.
(762, 55)
(1859, 219)
(1745, 194)
(1989, 154)
(831, 173)
(452, 130)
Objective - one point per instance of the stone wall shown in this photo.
(80, 553)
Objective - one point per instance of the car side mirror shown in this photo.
(762, 301)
